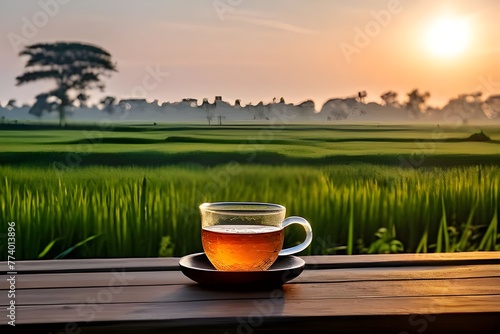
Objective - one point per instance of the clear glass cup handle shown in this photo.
(309, 235)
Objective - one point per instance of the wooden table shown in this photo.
(432, 293)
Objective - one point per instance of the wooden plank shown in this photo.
(103, 279)
(398, 324)
(312, 262)
(93, 265)
(396, 260)
(274, 306)
(394, 273)
(119, 278)
(296, 292)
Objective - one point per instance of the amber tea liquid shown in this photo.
(242, 247)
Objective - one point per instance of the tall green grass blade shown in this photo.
(48, 248)
(350, 236)
(466, 233)
(81, 243)
(443, 239)
(422, 246)
(489, 241)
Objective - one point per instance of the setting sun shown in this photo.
(448, 37)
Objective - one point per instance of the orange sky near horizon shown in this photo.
(257, 50)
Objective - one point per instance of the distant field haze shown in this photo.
(337, 110)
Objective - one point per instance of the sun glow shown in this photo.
(448, 37)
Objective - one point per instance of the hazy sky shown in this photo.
(259, 49)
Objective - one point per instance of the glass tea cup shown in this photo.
(247, 236)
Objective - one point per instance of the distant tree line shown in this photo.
(77, 68)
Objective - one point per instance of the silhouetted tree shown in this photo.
(43, 103)
(361, 95)
(306, 108)
(108, 103)
(75, 67)
(339, 109)
(491, 107)
(262, 111)
(390, 98)
(465, 107)
(11, 104)
(220, 118)
(209, 110)
(416, 102)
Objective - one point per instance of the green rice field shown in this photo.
(134, 191)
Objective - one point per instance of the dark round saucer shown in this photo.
(198, 268)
